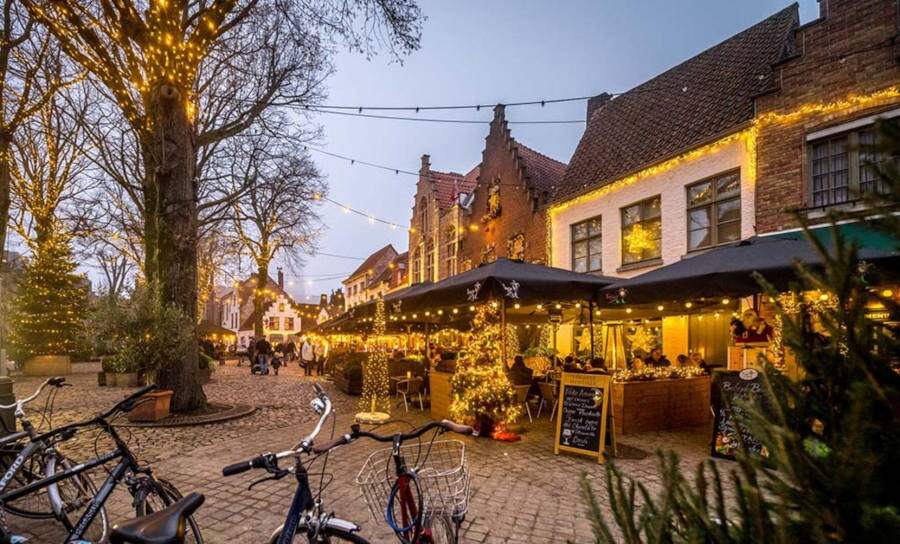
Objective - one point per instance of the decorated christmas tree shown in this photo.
(50, 304)
(482, 393)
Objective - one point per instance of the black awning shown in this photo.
(729, 271)
(514, 281)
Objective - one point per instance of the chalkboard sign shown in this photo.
(732, 391)
(581, 420)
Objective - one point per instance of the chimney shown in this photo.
(280, 278)
(596, 102)
(426, 165)
(823, 9)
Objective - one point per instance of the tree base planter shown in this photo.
(153, 406)
(48, 365)
(122, 379)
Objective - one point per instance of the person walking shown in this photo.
(307, 357)
(263, 352)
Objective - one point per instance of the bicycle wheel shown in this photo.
(326, 536)
(155, 495)
(35, 505)
(71, 497)
(443, 530)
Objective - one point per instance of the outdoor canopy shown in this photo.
(728, 271)
(514, 281)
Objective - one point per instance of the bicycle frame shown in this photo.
(115, 476)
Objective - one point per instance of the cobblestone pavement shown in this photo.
(521, 492)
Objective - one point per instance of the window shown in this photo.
(843, 167)
(429, 260)
(288, 323)
(714, 211)
(641, 231)
(281, 306)
(587, 246)
(273, 323)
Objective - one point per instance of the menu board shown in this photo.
(732, 393)
(581, 424)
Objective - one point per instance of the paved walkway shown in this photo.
(521, 492)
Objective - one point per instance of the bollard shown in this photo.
(7, 397)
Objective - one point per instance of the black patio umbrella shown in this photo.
(728, 271)
(514, 281)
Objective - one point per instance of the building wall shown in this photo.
(434, 229)
(670, 185)
(355, 289)
(847, 52)
(518, 214)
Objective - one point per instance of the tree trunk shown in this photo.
(262, 281)
(151, 223)
(5, 182)
(172, 155)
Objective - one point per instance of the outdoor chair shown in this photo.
(522, 398)
(548, 395)
(408, 388)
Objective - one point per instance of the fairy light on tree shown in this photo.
(147, 57)
(375, 403)
(482, 393)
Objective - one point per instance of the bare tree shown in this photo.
(25, 52)
(116, 270)
(148, 56)
(277, 218)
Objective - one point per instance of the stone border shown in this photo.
(224, 412)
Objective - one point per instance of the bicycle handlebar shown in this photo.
(257, 462)
(127, 404)
(57, 381)
(446, 424)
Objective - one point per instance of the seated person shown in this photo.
(518, 373)
(637, 364)
(569, 364)
(598, 365)
(657, 359)
(697, 360)
(682, 361)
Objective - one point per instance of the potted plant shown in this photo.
(122, 368)
(208, 365)
(153, 406)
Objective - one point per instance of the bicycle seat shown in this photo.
(164, 527)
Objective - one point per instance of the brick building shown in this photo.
(506, 217)
(495, 210)
(840, 73)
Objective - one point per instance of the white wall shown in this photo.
(670, 185)
(360, 296)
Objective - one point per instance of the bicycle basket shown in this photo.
(443, 478)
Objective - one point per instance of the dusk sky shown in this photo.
(477, 52)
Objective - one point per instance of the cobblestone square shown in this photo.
(521, 491)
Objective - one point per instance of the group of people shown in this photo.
(656, 359)
(262, 356)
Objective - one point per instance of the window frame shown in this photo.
(587, 240)
(713, 204)
(622, 227)
(855, 165)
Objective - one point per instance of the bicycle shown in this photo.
(167, 516)
(57, 500)
(307, 516)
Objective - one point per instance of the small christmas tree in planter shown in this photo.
(482, 393)
(49, 308)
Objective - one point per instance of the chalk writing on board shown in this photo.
(582, 409)
(732, 394)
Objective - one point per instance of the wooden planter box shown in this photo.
(48, 365)
(660, 404)
(122, 379)
(154, 409)
(351, 386)
(439, 387)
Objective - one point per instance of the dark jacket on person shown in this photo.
(519, 374)
(663, 361)
(263, 347)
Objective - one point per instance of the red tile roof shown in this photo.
(448, 185)
(698, 100)
(545, 173)
(372, 260)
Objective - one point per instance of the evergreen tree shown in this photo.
(481, 389)
(50, 303)
(833, 435)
